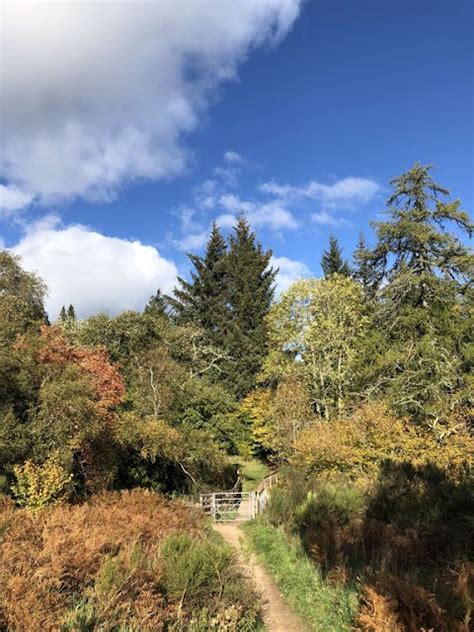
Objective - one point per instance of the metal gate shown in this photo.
(230, 506)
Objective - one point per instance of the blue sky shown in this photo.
(297, 115)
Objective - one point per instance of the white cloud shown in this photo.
(344, 193)
(233, 157)
(95, 94)
(326, 219)
(226, 220)
(289, 272)
(193, 241)
(272, 214)
(93, 271)
(12, 198)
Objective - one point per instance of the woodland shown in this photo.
(357, 387)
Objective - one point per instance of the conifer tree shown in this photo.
(363, 270)
(63, 315)
(249, 293)
(156, 305)
(202, 301)
(427, 270)
(71, 312)
(332, 261)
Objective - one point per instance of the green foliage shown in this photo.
(427, 271)
(317, 330)
(157, 305)
(194, 569)
(323, 607)
(202, 301)
(39, 485)
(362, 269)
(333, 505)
(250, 293)
(21, 309)
(332, 261)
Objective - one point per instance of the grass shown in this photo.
(325, 608)
(252, 471)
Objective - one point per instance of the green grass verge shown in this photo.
(252, 471)
(324, 608)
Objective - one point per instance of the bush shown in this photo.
(195, 569)
(38, 485)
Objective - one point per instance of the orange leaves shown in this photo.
(105, 377)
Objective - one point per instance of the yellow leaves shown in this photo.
(358, 444)
(257, 405)
(38, 485)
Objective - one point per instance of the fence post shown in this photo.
(213, 507)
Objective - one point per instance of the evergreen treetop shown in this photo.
(202, 301)
(332, 261)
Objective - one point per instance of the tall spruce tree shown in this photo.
(427, 270)
(250, 291)
(363, 270)
(332, 261)
(203, 300)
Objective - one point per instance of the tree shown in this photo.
(317, 331)
(424, 300)
(332, 261)
(363, 270)
(157, 305)
(71, 312)
(21, 298)
(202, 301)
(249, 295)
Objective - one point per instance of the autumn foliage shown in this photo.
(101, 562)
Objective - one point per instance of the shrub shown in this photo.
(38, 485)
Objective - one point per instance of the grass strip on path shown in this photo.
(323, 607)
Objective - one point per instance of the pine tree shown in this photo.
(250, 293)
(71, 312)
(332, 261)
(157, 304)
(202, 301)
(63, 315)
(363, 270)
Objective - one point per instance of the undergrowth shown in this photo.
(128, 562)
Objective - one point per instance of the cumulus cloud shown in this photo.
(271, 214)
(344, 193)
(289, 272)
(95, 94)
(95, 272)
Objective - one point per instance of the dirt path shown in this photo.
(276, 614)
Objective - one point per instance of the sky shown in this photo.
(127, 127)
